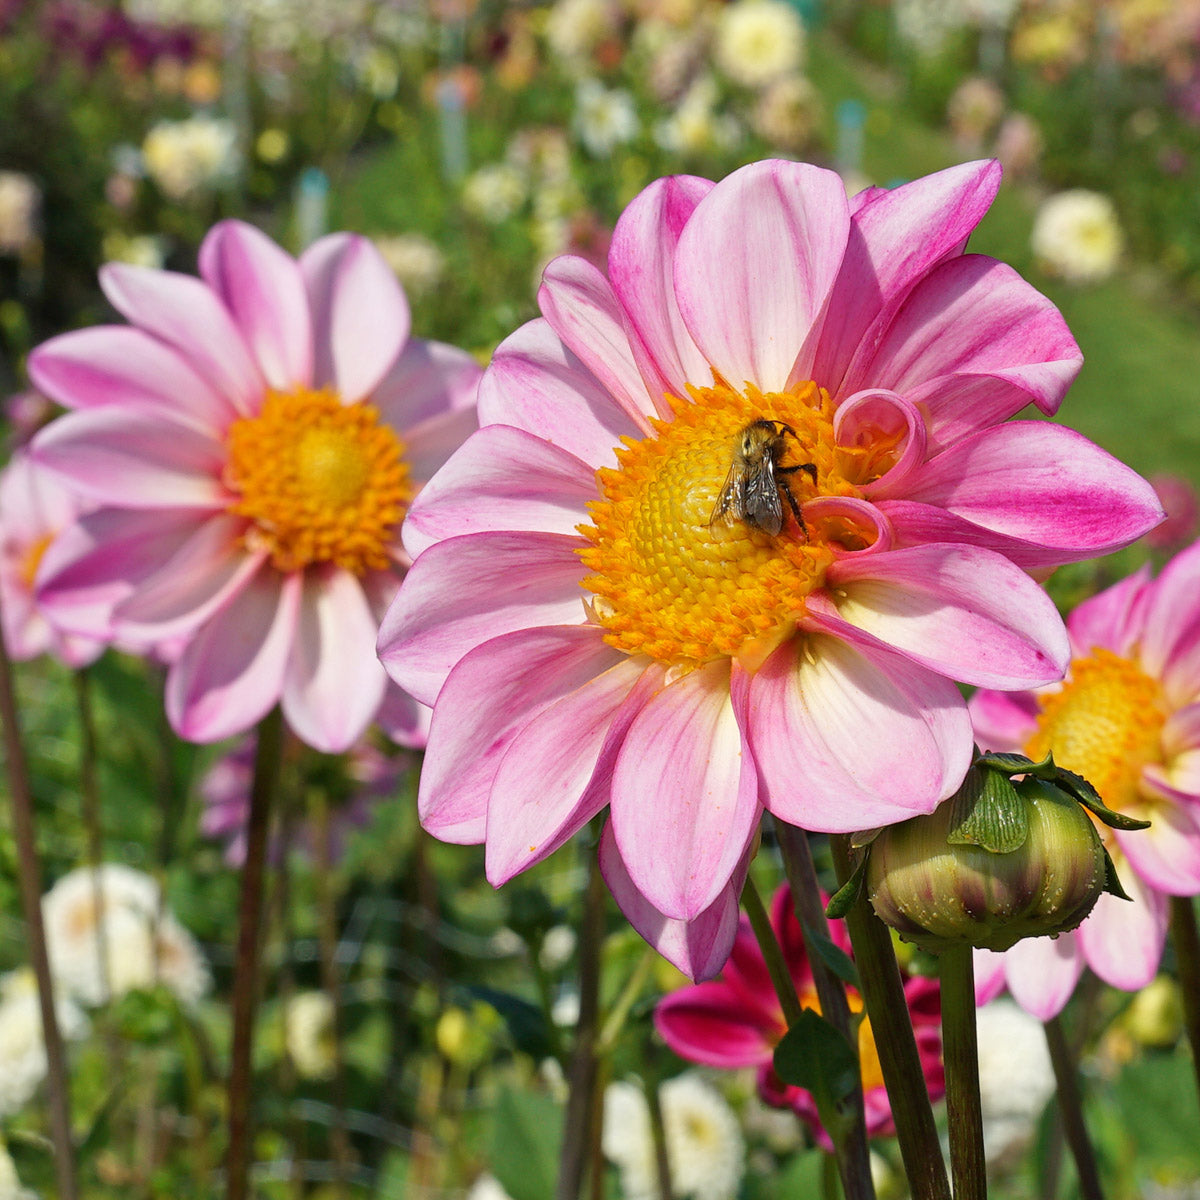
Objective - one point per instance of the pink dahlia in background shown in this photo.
(1127, 717)
(35, 508)
(736, 1021)
(603, 616)
(252, 439)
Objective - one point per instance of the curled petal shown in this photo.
(698, 947)
(856, 525)
(359, 311)
(878, 415)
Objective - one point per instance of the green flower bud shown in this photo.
(996, 863)
(1155, 1018)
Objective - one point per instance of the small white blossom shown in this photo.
(22, 1045)
(308, 1033)
(416, 261)
(1077, 237)
(604, 118)
(495, 192)
(188, 157)
(19, 200)
(10, 1184)
(758, 41)
(574, 28)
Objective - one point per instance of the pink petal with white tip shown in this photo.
(1113, 619)
(428, 380)
(359, 311)
(1042, 973)
(1167, 855)
(263, 288)
(1122, 940)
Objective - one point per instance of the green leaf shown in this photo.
(1017, 764)
(832, 955)
(842, 901)
(525, 1021)
(813, 1055)
(1112, 884)
(1087, 795)
(526, 1136)
(989, 813)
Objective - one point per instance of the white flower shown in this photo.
(574, 28)
(1076, 236)
(695, 127)
(705, 1148)
(417, 262)
(139, 249)
(557, 947)
(140, 943)
(308, 1032)
(191, 156)
(604, 118)
(1015, 1077)
(494, 193)
(925, 24)
(487, 1187)
(758, 41)
(19, 199)
(22, 1046)
(10, 1184)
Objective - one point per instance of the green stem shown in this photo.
(658, 1133)
(30, 884)
(581, 1077)
(1070, 1108)
(768, 943)
(89, 795)
(887, 1010)
(960, 1048)
(850, 1145)
(246, 980)
(615, 1021)
(1187, 956)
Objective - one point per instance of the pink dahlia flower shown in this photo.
(605, 618)
(736, 1021)
(252, 440)
(35, 508)
(1127, 717)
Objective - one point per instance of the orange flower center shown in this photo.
(32, 559)
(676, 578)
(321, 481)
(1104, 724)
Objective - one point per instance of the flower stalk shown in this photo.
(772, 953)
(1187, 955)
(1070, 1107)
(960, 1049)
(883, 996)
(246, 980)
(89, 795)
(30, 884)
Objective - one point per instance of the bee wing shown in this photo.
(728, 498)
(761, 505)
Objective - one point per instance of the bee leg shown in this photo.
(787, 491)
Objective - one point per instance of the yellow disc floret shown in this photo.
(1105, 724)
(321, 481)
(684, 586)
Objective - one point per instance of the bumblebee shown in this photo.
(757, 485)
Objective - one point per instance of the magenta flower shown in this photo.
(599, 629)
(253, 440)
(35, 508)
(1128, 718)
(737, 1021)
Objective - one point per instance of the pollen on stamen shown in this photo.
(320, 481)
(669, 581)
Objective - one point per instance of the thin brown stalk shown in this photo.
(1187, 954)
(1070, 1108)
(30, 884)
(246, 977)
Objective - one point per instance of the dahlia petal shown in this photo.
(1113, 618)
(1167, 855)
(746, 976)
(428, 380)
(404, 720)
(1122, 941)
(334, 682)
(535, 383)
(685, 794)
(100, 559)
(1042, 973)
(874, 416)
(230, 674)
(1003, 721)
(131, 460)
(360, 314)
(641, 266)
(958, 610)
(805, 711)
(971, 317)
(464, 591)
(707, 1024)
(263, 288)
(1042, 483)
(569, 750)
(501, 478)
(989, 975)
(429, 444)
(190, 584)
(114, 364)
(755, 266)
(489, 697)
(895, 237)
(186, 314)
(1181, 741)
(579, 304)
(1171, 614)
(698, 947)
